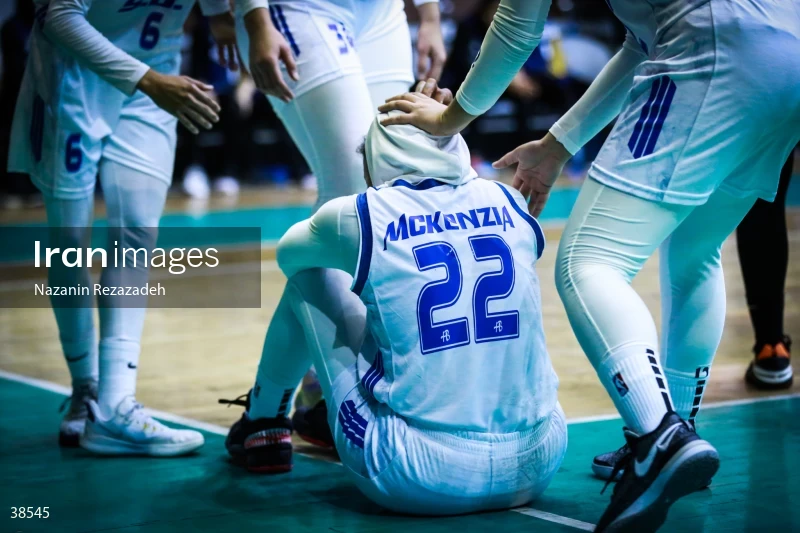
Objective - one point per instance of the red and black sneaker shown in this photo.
(772, 367)
(262, 445)
(311, 425)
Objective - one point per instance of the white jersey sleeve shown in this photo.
(67, 26)
(602, 101)
(329, 239)
(515, 32)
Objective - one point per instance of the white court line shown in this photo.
(527, 511)
(66, 391)
(550, 517)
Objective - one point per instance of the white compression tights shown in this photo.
(133, 201)
(608, 238)
(328, 123)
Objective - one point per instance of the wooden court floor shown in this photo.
(192, 357)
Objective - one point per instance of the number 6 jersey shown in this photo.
(78, 102)
(453, 305)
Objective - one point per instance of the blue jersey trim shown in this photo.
(537, 229)
(354, 426)
(365, 253)
(421, 186)
(373, 375)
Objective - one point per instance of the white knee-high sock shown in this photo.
(687, 389)
(633, 377)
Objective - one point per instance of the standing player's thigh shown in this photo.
(144, 139)
(384, 46)
(328, 124)
(696, 243)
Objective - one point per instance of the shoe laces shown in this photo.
(241, 401)
(624, 457)
(137, 415)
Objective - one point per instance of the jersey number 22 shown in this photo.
(440, 294)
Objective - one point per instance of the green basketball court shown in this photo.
(757, 488)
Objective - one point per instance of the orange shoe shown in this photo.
(772, 367)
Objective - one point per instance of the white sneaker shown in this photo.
(195, 183)
(226, 186)
(131, 431)
(71, 429)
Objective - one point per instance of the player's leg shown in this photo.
(384, 47)
(763, 244)
(135, 173)
(318, 321)
(609, 236)
(70, 224)
(64, 169)
(693, 297)
(599, 255)
(261, 438)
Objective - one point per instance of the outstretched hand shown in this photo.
(223, 29)
(268, 49)
(539, 164)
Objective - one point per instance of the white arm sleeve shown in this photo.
(243, 7)
(67, 26)
(602, 101)
(214, 7)
(329, 239)
(515, 32)
(420, 2)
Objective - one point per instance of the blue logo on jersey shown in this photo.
(438, 222)
(130, 5)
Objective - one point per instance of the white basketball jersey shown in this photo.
(646, 19)
(453, 305)
(149, 30)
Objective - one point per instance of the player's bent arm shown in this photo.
(602, 101)
(515, 32)
(329, 239)
(66, 25)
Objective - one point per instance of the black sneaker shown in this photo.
(661, 467)
(262, 445)
(772, 367)
(604, 464)
(311, 425)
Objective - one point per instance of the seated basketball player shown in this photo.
(440, 401)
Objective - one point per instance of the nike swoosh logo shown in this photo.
(642, 467)
(75, 359)
(131, 366)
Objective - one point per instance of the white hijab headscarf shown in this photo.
(407, 152)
